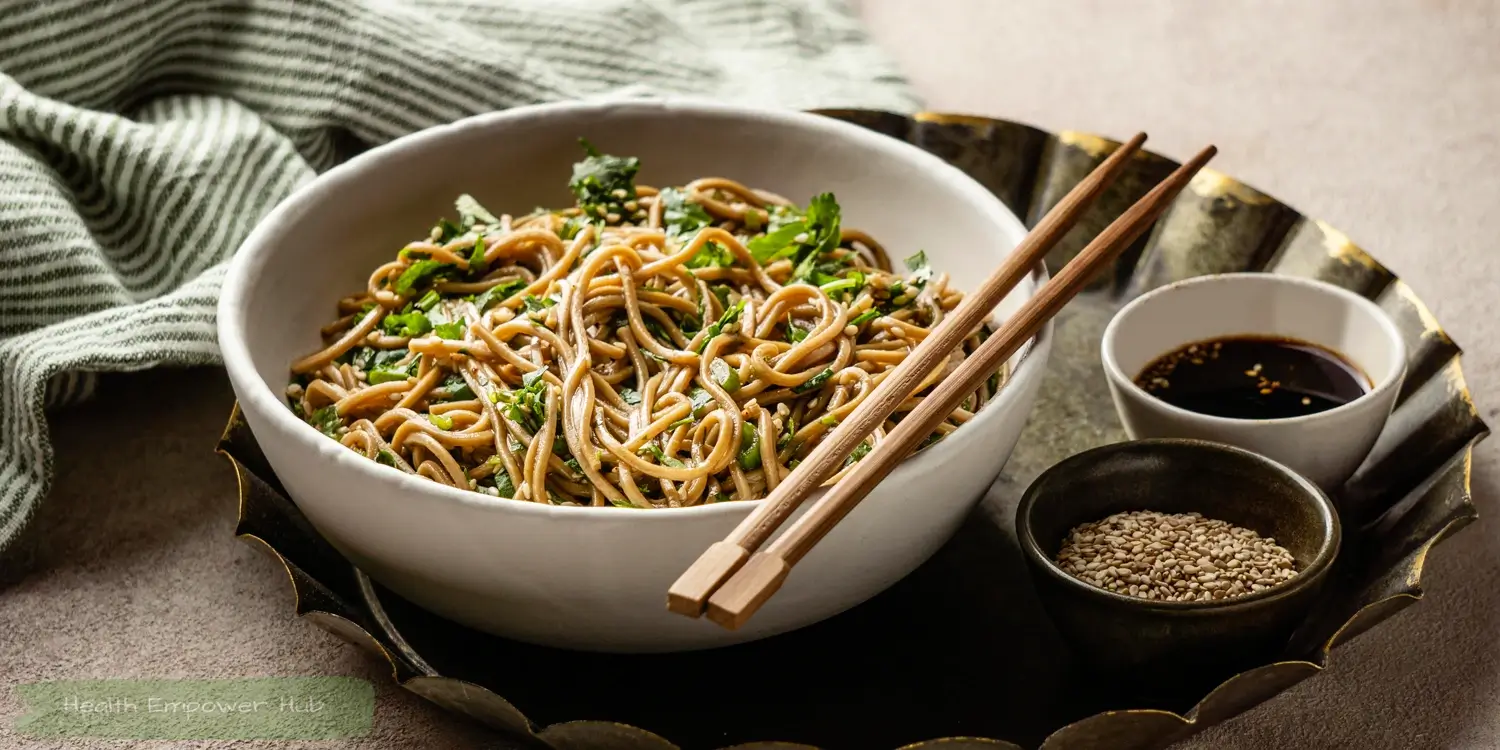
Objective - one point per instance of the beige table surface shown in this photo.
(1380, 117)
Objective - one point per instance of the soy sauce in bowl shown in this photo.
(1253, 377)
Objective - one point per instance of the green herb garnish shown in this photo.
(498, 293)
(630, 396)
(714, 329)
(655, 451)
(681, 216)
(603, 183)
(860, 451)
(451, 331)
(406, 324)
(420, 274)
(471, 213)
(328, 421)
(815, 382)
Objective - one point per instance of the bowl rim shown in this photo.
(1327, 552)
(1396, 351)
(255, 253)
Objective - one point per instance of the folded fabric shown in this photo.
(140, 140)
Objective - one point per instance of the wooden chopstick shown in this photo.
(733, 603)
(689, 594)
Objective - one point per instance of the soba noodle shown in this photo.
(643, 348)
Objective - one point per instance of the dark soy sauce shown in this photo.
(1253, 377)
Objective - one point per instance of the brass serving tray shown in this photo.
(960, 649)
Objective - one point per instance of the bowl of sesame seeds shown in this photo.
(1169, 553)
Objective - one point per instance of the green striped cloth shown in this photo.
(140, 140)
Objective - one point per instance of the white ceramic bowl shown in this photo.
(1325, 447)
(596, 578)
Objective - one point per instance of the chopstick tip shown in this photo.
(743, 594)
(692, 589)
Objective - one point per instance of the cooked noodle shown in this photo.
(642, 348)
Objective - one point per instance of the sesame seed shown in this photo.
(1109, 554)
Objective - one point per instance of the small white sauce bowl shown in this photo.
(1325, 447)
(597, 578)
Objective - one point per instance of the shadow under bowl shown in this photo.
(1157, 640)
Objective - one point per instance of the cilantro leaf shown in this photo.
(701, 401)
(503, 485)
(794, 333)
(406, 324)
(387, 373)
(711, 255)
(630, 396)
(681, 216)
(451, 331)
(327, 420)
(477, 266)
(420, 274)
(535, 304)
(498, 293)
(655, 451)
(471, 213)
(815, 382)
(445, 232)
(456, 387)
(714, 329)
(860, 451)
(921, 272)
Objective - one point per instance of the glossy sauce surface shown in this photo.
(1253, 377)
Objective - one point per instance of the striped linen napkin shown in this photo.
(140, 140)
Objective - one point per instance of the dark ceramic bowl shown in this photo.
(1117, 632)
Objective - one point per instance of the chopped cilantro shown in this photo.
(815, 382)
(921, 272)
(503, 486)
(535, 304)
(603, 183)
(406, 324)
(451, 331)
(681, 216)
(711, 255)
(655, 451)
(456, 387)
(328, 421)
(794, 333)
(471, 213)
(701, 401)
(498, 293)
(476, 257)
(389, 373)
(714, 329)
(445, 231)
(860, 451)
(420, 274)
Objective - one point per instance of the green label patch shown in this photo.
(260, 708)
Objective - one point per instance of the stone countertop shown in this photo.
(1374, 116)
